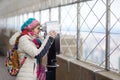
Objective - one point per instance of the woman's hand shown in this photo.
(52, 33)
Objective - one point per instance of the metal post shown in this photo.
(78, 31)
(51, 59)
(107, 57)
(59, 16)
(51, 68)
(40, 15)
(50, 14)
(119, 63)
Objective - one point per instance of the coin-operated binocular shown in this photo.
(53, 51)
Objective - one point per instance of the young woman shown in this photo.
(32, 46)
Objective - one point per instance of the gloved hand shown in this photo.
(52, 33)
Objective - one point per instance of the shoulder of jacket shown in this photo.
(13, 38)
(25, 37)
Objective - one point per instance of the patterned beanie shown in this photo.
(30, 24)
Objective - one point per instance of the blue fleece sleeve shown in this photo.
(46, 48)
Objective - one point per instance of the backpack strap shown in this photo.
(17, 41)
(23, 61)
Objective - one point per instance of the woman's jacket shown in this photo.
(26, 47)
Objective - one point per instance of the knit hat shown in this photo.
(30, 24)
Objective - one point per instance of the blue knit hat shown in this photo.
(30, 24)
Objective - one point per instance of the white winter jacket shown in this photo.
(26, 46)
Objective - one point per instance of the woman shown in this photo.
(32, 46)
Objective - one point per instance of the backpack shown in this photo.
(12, 59)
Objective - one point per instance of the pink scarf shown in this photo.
(41, 74)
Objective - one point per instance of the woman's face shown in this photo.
(36, 30)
